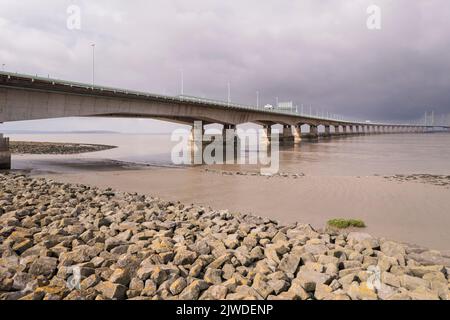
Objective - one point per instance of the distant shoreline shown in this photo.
(27, 147)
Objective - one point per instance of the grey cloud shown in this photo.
(311, 52)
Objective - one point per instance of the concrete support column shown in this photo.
(351, 129)
(267, 132)
(336, 130)
(344, 129)
(5, 154)
(297, 133)
(287, 137)
(196, 142)
(327, 133)
(231, 143)
(313, 133)
(229, 132)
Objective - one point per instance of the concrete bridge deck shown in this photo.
(25, 97)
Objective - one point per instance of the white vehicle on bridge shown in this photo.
(268, 106)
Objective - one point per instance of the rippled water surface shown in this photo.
(359, 155)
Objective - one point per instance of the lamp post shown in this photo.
(182, 81)
(257, 99)
(93, 65)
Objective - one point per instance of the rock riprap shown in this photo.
(66, 241)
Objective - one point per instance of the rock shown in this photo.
(278, 286)
(184, 257)
(392, 249)
(312, 266)
(216, 292)
(412, 283)
(422, 293)
(357, 237)
(22, 246)
(177, 286)
(136, 285)
(430, 258)
(231, 242)
(257, 253)
(213, 276)
(316, 249)
(220, 261)
(242, 256)
(111, 290)
(297, 290)
(90, 282)
(192, 291)
(247, 293)
(390, 279)
(120, 276)
(323, 259)
(385, 263)
(228, 271)
(149, 288)
(44, 266)
(290, 263)
(309, 279)
(322, 292)
(385, 292)
(144, 273)
(159, 275)
(261, 286)
(420, 271)
(361, 292)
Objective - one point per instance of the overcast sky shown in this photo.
(317, 52)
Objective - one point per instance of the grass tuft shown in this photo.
(346, 223)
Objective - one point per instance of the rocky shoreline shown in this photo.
(254, 174)
(437, 180)
(21, 147)
(66, 241)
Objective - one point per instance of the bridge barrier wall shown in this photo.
(5, 154)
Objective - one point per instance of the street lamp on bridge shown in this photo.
(93, 65)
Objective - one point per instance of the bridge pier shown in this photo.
(337, 131)
(313, 135)
(267, 134)
(5, 154)
(199, 141)
(351, 130)
(230, 138)
(297, 133)
(287, 138)
(327, 133)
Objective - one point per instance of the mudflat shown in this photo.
(409, 211)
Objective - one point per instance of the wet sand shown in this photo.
(407, 211)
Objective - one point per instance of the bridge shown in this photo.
(26, 97)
